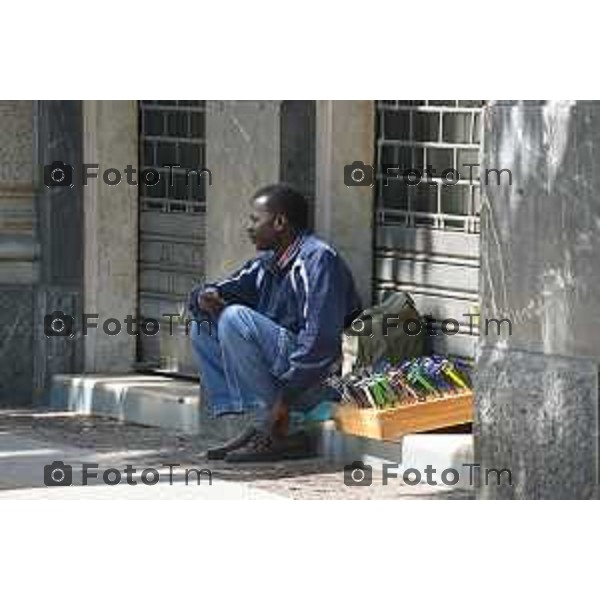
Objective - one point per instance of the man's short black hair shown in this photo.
(284, 199)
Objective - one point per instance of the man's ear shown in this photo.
(280, 222)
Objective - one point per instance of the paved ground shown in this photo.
(30, 439)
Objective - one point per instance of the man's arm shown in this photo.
(241, 287)
(319, 342)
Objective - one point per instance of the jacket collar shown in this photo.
(291, 252)
(288, 256)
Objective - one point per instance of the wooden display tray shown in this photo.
(392, 423)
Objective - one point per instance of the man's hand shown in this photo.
(211, 302)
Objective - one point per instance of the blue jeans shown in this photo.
(239, 360)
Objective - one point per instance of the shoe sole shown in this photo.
(262, 458)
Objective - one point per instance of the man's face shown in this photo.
(264, 228)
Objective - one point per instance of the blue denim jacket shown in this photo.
(310, 292)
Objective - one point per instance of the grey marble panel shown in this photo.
(55, 354)
(16, 360)
(297, 147)
(537, 415)
(58, 136)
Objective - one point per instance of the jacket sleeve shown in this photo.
(240, 287)
(318, 344)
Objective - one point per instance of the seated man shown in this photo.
(279, 322)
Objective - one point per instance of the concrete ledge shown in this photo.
(143, 399)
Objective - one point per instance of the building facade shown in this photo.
(521, 249)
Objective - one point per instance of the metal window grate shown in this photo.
(417, 134)
(427, 235)
(172, 217)
(173, 132)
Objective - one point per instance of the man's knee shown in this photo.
(202, 334)
(199, 326)
(234, 318)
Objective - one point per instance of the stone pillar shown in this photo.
(58, 127)
(537, 389)
(344, 215)
(242, 153)
(110, 232)
(19, 252)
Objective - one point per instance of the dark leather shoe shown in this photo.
(220, 452)
(267, 448)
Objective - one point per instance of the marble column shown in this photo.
(344, 215)
(537, 385)
(111, 231)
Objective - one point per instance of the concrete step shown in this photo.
(144, 399)
(439, 451)
(161, 401)
(152, 400)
